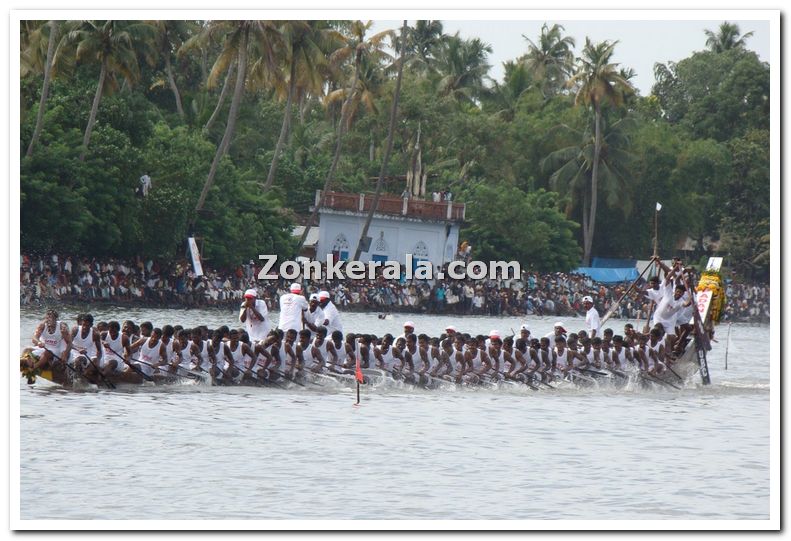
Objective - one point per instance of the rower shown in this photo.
(424, 361)
(235, 353)
(365, 351)
(385, 359)
(546, 357)
(622, 358)
(86, 346)
(473, 359)
(640, 353)
(323, 352)
(172, 350)
(216, 350)
(200, 351)
(509, 357)
(52, 341)
(286, 353)
(440, 357)
(349, 349)
(656, 351)
(495, 354)
(302, 353)
(152, 352)
(561, 357)
(410, 357)
(399, 352)
(116, 345)
(457, 360)
(253, 314)
(266, 358)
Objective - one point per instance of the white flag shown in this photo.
(658, 206)
(196, 263)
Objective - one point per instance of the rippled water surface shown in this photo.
(201, 452)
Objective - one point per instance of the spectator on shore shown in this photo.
(78, 280)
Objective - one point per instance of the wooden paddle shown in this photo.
(614, 307)
(130, 365)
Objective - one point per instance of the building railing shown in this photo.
(396, 206)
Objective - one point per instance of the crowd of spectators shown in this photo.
(147, 283)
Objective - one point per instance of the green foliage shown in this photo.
(698, 144)
(509, 224)
(715, 95)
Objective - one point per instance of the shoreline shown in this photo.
(234, 304)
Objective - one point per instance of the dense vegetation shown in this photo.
(239, 122)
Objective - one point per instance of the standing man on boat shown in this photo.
(332, 318)
(254, 316)
(292, 309)
(592, 319)
(314, 317)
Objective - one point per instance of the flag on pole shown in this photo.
(196, 263)
(358, 374)
(658, 206)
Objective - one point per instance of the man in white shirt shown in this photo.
(592, 319)
(332, 318)
(557, 331)
(292, 307)
(314, 317)
(253, 314)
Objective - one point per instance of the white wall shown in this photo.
(400, 237)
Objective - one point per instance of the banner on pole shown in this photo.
(658, 206)
(196, 264)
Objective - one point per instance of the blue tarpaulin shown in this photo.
(609, 276)
(611, 263)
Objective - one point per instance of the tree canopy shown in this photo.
(248, 114)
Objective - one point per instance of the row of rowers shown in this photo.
(132, 353)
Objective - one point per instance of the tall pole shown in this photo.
(656, 228)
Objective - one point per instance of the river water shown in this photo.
(201, 452)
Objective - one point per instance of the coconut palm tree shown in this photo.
(356, 46)
(115, 46)
(503, 98)
(170, 35)
(423, 40)
(571, 166)
(307, 45)
(241, 37)
(389, 146)
(598, 83)
(462, 68)
(32, 60)
(551, 60)
(726, 38)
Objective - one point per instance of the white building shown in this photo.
(427, 230)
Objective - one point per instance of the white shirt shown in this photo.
(333, 318)
(291, 308)
(315, 318)
(256, 328)
(593, 321)
(668, 308)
